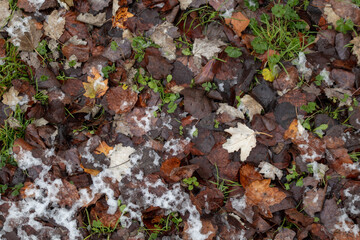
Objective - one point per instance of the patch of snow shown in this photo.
(343, 224)
(300, 63)
(326, 77)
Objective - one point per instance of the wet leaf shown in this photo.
(122, 15)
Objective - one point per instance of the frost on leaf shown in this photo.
(119, 160)
(242, 138)
(96, 86)
(4, 12)
(356, 48)
(23, 33)
(12, 98)
(55, 25)
(206, 48)
(270, 171)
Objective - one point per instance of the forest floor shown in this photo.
(179, 119)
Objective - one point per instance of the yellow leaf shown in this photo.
(96, 86)
(122, 15)
(103, 148)
(92, 172)
(267, 74)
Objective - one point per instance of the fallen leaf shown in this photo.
(196, 102)
(206, 48)
(331, 16)
(96, 20)
(270, 171)
(259, 193)
(184, 4)
(163, 36)
(23, 33)
(230, 110)
(355, 48)
(96, 86)
(242, 138)
(120, 100)
(250, 106)
(103, 148)
(92, 172)
(12, 98)
(4, 12)
(122, 15)
(248, 174)
(54, 25)
(238, 22)
(313, 201)
(119, 160)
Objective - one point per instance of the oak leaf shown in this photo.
(96, 86)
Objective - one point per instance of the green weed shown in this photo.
(9, 134)
(139, 44)
(12, 68)
(191, 182)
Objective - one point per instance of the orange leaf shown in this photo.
(259, 193)
(96, 86)
(248, 174)
(169, 164)
(121, 17)
(238, 22)
(103, 148)
(291, 132)
(92, 172)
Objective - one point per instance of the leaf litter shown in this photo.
(104, 136)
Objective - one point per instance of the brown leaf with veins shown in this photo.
(260, 194)
(96, 86)
(248, 174)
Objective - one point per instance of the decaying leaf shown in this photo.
(119, 160)
(23, 33)
(331, 16)
(233, 112)
(55, 25)
(122, 15)
(92, 172)
(270, 171)
(66, 3)
(260, 193)
(4, 12)
(103, 148)
(242, 138)
(206, 48)
(250, 106)
(12, 98)
(356, 48)
(96, 20)
(238, 22)
(96, 86)
(339, 93)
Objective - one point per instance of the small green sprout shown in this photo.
(191, 182)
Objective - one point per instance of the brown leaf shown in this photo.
(238, 22)
(80, 51)
(248, 174)
(96, 86)
(196, 103)
(180, 173)
(169, 164)
(26, 37)
(99, 212)
(120, 100)
(260, 194)
(121, 17)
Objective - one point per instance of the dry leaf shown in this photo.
(206, 48)
(92, 172)
(96, 86)
(238, 22)
(270, 171)
(233, 112)
(23, 33)
(356, 48)
(250, 106)
(96, 20)
(119, 160)
(259, 193)
(121, 17)
(331, 16)
(248, 174)
(103, 148)
(55, 25)
(12, 98)
(163, 36)
(4, 12)
(242, 138)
